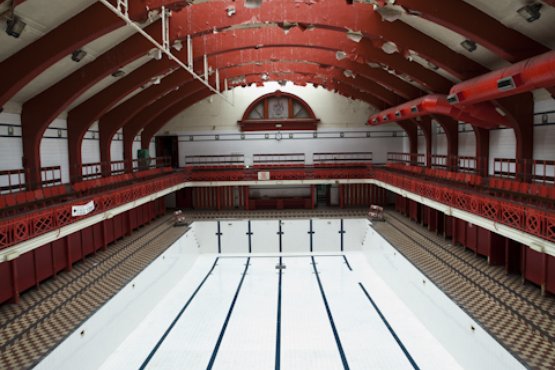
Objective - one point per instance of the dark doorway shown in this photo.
(167, 146)
(323, 195)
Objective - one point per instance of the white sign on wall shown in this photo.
(263, 175)
(82, 210)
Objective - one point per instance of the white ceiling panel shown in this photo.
(41, 16)
(542, 30)
(453, 40)
(66, 65)
(108, 81)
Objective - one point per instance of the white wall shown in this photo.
(265, 239)
(332, 109)
(213, 116)
(109, 326)
(473, 349)
(53, 149)
(281, 191)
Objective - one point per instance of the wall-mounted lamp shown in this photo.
(530, 12)
(78, 55)
(15, 26)
(118, 73)
(469, 45)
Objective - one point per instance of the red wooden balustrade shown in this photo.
(14, 180)
(23, 227)
(536, 170)
(521, 216)
(94, 170)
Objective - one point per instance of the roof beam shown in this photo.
(487, 31)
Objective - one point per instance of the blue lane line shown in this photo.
(347, 263)
(278, 322)
(226, 322)
(291, 256)
(176, 319)
(219, 234)
(280, 234)
(330, 317)
(249, 233)
(342, 233)
(403, 348)
(311, 233)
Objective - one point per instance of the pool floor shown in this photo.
(295, 312)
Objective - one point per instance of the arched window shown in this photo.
(278, 111)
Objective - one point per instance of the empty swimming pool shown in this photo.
(252, 305)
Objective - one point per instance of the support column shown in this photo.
(451, 129)
(341, 196)
(15, 286)
(482, 150)
(128, 152)
(425, 125)
(105, 143)
(412, 133)
(520, 112)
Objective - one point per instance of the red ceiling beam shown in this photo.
(93, 22)
(276, 67)
(80, 119)
(328, 14)
(110, 123)
(22, 67)
(44, 108)
(362, 52)
(319, 56)
(487, 31)
(41, 110)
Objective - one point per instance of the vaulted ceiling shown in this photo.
(382, 52)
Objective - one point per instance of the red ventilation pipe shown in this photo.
(531, 74)
(481, 115)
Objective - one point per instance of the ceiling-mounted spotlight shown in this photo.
(78, 55)
(265, 77)
(469, 45)
(398, 114)
(15, 26)
(118, 73)
(156, 80)
(414, 109)
(385, 117)
(530, 12)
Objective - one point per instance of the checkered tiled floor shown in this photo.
(45, 316)
(514, 313)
